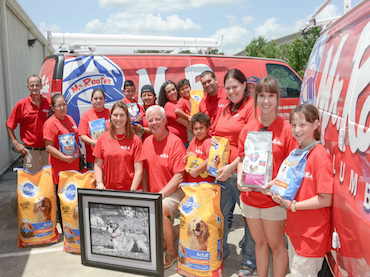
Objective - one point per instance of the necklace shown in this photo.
(119, 138)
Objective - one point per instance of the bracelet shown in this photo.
(292, 208)
(98, 182)
(290, 203)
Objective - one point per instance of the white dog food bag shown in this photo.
(69, 182)
(68, 145)
(201, 228)
(37, 203)
(257, 163)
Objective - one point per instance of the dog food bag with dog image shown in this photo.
(195, 97)
(133, 110)
(291, 173)
(257, 163)
(68, 145)
(218, 156)
(37, 203)
(201, 228)
(69, 182)
(97, 127)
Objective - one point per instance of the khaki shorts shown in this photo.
(172, 202)
(274, 213)
(302, 266)
(35, 159)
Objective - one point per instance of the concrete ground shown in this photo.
(50, 260)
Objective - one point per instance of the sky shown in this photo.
(239, 21)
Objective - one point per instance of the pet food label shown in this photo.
(218, 156)
(68, 145)
(36, 207)
(134, 112)
(195, 97)
(201, 229)
(97, 127)
(69, 182)
(194, 162)
(257, 163)
(291, 173)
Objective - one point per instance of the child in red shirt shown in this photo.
(129, 89)
(308, 216)
(182, 109)
(199, 147)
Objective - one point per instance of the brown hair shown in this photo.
(310, 113)
(162, 98)
(183, 82)
(240, 77)
(97, 90)
(201, 118)
(53, 100)
(269, 84)
(128, 129)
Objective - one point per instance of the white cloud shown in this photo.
(235, 39)
(271, 29)
(53, 28)
(247, 20)
(232, 20)
(163, 5)
(329, 11)
(140, 24)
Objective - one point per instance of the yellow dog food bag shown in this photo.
(218, 156)
(201, 228)
(37, 203)
(69, 181)
(195, 97)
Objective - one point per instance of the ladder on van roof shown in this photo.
(79, 43)
(313, 22)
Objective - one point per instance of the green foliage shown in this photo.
(295, 53)
(215, 52)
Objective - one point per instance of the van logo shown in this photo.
(71, 192)
(30, 190)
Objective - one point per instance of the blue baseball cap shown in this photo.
(253, 80)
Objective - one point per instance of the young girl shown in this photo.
(308, 222)
(266, 220)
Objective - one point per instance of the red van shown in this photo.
(77, 75)
(337, 81)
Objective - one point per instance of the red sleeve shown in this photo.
(15, 116)
(324, 173)
(177, 157)
(241, 141)
(138, 149)
(83, 127)
(98, 149)
(49, 131)
(202, 107)
(206, 147)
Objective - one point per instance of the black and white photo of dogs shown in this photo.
(120, 231)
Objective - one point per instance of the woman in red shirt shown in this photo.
(118, 149)
(96, 112)
(168, 97)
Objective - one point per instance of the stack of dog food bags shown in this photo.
(69, 181)
(36, 207)
(201, 228)
(219, 155)
(195, 98)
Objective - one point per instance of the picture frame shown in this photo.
(121, 230)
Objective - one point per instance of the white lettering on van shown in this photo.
(358, 82)
(367, 196)
(342, 171)
(160, 78)
(193, 71)
(353, 183)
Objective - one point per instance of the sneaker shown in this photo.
(245, 271)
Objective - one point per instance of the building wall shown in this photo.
(17, 62)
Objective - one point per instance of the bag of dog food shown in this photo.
(134, 112)
(194, 162)
(97, 127)
(201, 228)
(68, 145)
(37, 204)
(291, 173)
(195, 98)
(69, 181)
(257, 163)
(218, 156)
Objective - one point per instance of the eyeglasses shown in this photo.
(60, 106)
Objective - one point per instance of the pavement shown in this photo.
(50, 259)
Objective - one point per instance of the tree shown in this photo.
(256, 47)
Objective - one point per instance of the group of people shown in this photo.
(151, 157)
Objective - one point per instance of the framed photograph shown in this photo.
(121, 230)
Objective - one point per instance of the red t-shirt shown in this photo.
(31, 120)
(172, 125)
(212, 106)
(127, 101)
(230, 124)
(201, 149)
(163, 160)
(282, 144)
(184, 105)
(119, 157)
(53, 128)
(309, 230)
(84, 128)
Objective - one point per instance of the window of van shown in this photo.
(289, 83)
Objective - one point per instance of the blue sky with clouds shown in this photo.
(238, 21)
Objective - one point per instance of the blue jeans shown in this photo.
(229, 196)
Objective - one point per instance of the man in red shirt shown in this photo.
(30, 113)
(214, 98)
(163, 172)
